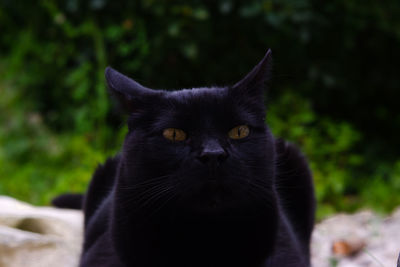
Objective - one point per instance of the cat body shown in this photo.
(200, 181)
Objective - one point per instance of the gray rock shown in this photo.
(38, 236)
(380, 235)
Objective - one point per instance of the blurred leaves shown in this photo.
(330, 147)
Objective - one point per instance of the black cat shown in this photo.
(200, 181)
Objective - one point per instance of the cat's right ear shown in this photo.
(131, 95)
(254, 83)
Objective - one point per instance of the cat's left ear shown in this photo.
(254, 83)
(131, 95)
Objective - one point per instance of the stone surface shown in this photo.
(38, 236)
(48, 237)
(380, 235)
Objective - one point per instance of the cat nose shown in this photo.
(212, 152)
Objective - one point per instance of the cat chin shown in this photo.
(217, 208)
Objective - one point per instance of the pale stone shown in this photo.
(381, 236)
(38, 236)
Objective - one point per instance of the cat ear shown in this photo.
(253, 84)
(130, 94)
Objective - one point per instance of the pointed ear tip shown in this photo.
(108, 71)
(269, 53)
(109, 74)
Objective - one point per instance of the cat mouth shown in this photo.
(214, 175)
(212, 195)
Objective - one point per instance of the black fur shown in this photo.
(68, 201)
(398, 261)
(206, 201)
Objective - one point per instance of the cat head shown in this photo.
(208, 148)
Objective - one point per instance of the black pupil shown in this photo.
(239, 131)
(174, 135)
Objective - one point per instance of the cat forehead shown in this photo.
(198, 104)
(196, 95)
(199, 108)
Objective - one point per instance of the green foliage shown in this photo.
(330, 147)
(38, 164)
(340, 58)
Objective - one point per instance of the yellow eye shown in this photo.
(174, 134)
(239, 132)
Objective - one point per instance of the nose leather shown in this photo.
(212, 152)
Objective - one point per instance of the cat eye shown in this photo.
(174, 134)
(239, 132)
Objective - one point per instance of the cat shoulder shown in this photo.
(290, 156)
(100, 185)
(295, 188)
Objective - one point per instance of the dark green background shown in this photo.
(335, 87)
